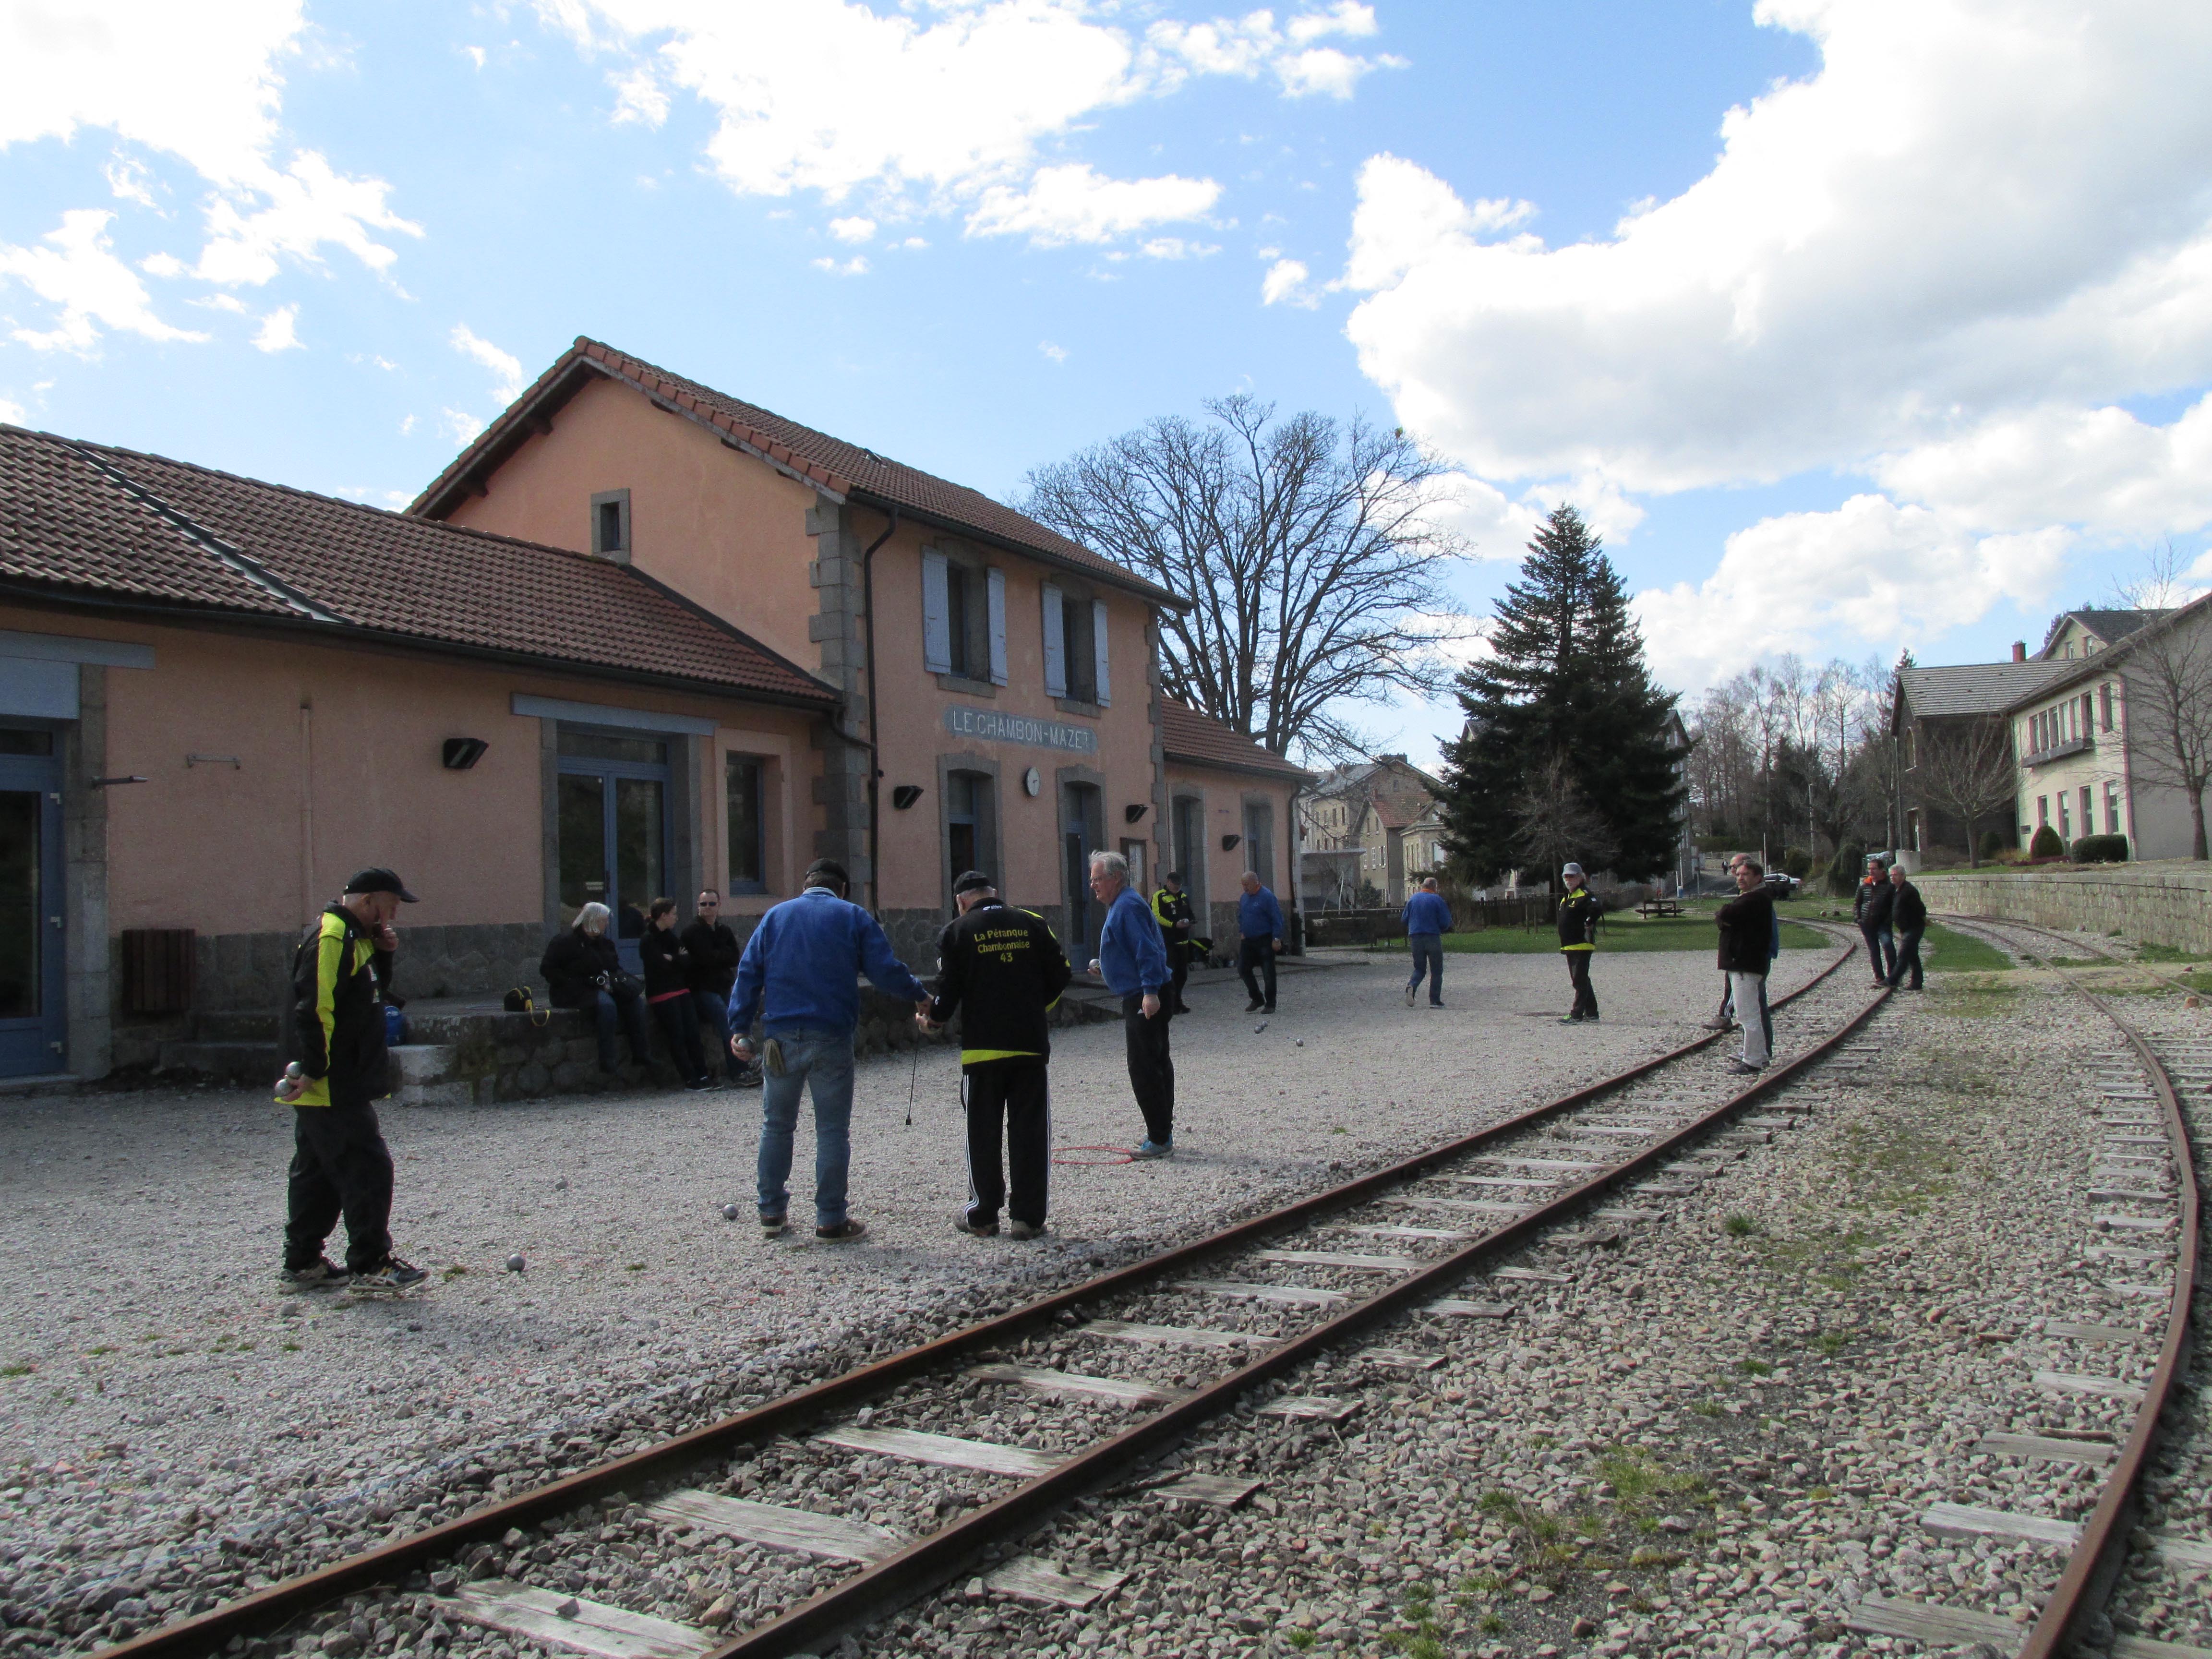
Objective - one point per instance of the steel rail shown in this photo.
(2087, 1583)
(275, 1605)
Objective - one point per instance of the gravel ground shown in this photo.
(175, 1431)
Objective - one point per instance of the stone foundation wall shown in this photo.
(233, 971)
(2165, 903)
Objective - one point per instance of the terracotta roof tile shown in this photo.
(81, 515)
(1202, 740)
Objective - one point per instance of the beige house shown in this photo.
(1386, 810)
(1231, 807)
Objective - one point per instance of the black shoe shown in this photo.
(392, 1275)
(1269, 1009)
(699, 1083)
(975, 1228)
(1254, 1006)
(1182, 1007)
(774, 1227)
(847, 1229)
(1023, 1229)
(320, 1275)
(1743, 1070)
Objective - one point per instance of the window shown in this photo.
(611, 524)
(963, 618)
(968, 825)
(1188, 824)
(2112, 809)
(2065, 818)
(1075, 648)
(1134, 852)
(2104, 707)
(956, 616)
(741, 793)
(1260, 840)
(1082, 652)
(2042, 811)
(2088, 817)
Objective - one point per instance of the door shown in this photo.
(1079, 832)
(612, 815)
(33, 1014)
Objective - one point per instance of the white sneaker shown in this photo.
(1409, 996)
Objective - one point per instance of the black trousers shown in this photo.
(1908, 956)
(679, 1023)
(1152, 1068)
(340, 1166)
(1179, 963)
(1014, 1094)
(1881, 942)
(1578, 972)
(1258, 953)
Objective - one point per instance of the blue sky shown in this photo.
(1852, 325)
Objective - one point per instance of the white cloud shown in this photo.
(14, 413)
(459, 424)
(855, 266)
(204, 85)
(505, 366)
(75, 269)
(277, 333)
(474, 54)
(1286, 284)
(406, 426)
(853, 230)
(947, 107)
(1075, 202)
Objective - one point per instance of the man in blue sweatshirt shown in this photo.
(1427, 918)
(800, 976)
(1260, 923)
(1134, 965)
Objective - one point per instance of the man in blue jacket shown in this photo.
(1134, 965)
(800, 976)
(1427, 918)
(1260, 922)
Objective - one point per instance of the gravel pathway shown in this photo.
(175, 1432)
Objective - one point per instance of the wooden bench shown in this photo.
(1660, 908)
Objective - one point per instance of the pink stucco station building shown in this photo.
(638, 638)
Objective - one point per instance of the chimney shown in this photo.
(2019, 650)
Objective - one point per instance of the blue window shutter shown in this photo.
(1055, 642)
(994, 588)
(1099, 652)
(936, 628)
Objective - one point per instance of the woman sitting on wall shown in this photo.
(668, 989)
(582, 969)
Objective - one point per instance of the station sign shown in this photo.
(992, 726)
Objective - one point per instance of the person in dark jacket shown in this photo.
(582, 968)
(1579, 911)
(1908, 916)
(1870, 909)
(714, 951)
(1747, 930)
(1006, 968)
(340, 1165)
(668, 967)
(1178, 927)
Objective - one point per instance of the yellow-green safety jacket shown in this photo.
(339, 977)
(1578, 914)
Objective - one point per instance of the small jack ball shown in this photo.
(729, 1212)
(514, 1264)
(1301, 1042)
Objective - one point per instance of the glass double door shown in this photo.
(33, 1021)
(613, 829)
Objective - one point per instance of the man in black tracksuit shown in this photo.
(1908, 914)
(1006, 968)
(1579, 911)
(1870, 908)
(1178, 926)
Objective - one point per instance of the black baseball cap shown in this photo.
(830, 868)
(1175, 875)
(379, 881)
(969, 880)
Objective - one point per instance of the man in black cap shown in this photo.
(1009, 970)
(1178, 927)
(340, 1165)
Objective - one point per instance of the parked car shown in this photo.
(1784, 884)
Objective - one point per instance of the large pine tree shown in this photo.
(1565, 682)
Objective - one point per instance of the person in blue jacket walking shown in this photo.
(1260, 923)
(1427, 918)
(1134, 965)
(800, 976)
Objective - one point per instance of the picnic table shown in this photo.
(1660, 907)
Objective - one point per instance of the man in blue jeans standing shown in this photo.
(1427, 919)
(799, 976)
(1133, 962)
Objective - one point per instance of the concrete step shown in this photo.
(236, 1025)
(235, 1062)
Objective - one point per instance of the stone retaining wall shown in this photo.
(2168, 903)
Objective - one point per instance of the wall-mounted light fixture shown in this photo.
(461, 753)
(905, 795)
(109, 783)
(1228, 842)
(1133, 811)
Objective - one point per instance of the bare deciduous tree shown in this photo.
(1311, 553)
(2167, 673)
(1967, 770)
(1554, 823)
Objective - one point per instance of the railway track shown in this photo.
(967, 1432)
(2144, 1210)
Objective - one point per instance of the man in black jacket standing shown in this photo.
(1007, 971)
(1870, 907)
(1908, 915)
(714, 951)
(1746, 925)
(1579, 911)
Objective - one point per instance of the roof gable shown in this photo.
(839, 469)
(90, 521)
(1199, 739)
(1972, 688)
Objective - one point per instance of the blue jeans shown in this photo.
(714, 1019)
(826, 1057)
(1429, 960)
(625, 1013)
